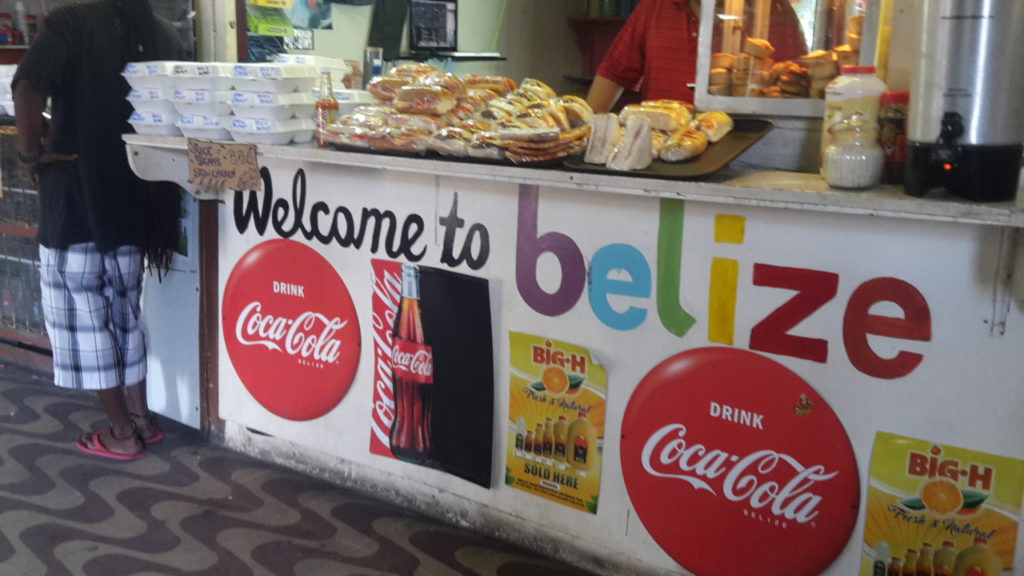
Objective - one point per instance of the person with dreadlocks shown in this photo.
(99, 225)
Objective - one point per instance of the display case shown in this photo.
(775, 57)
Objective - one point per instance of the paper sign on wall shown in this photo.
(556, 421)
(943, 506)
(223, 165)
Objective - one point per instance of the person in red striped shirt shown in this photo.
(655, 53)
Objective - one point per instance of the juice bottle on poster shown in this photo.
(413, 372)
(528, 443)
(910, 562)
(880, 566)
(520, 435)
(538, 440)
(977, 560)
(561, 434)
(944, 559)
(582, 443)
(895, 566)
(924, 561)
(549, 438)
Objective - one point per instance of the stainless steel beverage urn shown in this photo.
(966, 125)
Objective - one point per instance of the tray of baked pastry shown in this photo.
(666, 139)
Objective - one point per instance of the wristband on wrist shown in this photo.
(30, 160)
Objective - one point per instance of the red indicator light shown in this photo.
(947, 166)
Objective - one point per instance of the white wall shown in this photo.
(533, 36)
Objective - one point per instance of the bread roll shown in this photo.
(743, 62)
(846, 55)
(683, 145)
(746, 91)
(819, 70)
(538, 88)
(385, 87)
(424, 121)
(576, 109)
(818, 56)
(485, 146)
(718, 76)
(715, 125)
(666, 118)
(420, 99)
(413, 69)
(658, 141)
(722, 60)
(855, 23)
(500, 85)
(400, 140)
(529, 134)
(723, 90)
(446, 80)
(796, 89)
(758, 47)
(684, 107)
(853, 39)
(451, 142)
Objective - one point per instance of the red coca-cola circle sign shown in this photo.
(291, 329)
(736, 466)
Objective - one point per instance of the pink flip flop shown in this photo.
(148, 422)
(98, 449)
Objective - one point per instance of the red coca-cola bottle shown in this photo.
(413, 369)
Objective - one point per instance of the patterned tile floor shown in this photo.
(190, 507)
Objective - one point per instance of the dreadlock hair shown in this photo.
(159, 202)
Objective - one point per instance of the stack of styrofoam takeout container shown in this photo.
(150, 95)
(348, 99)
(273, 103)
(6, 98)
(202, 99)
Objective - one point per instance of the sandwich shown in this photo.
(604, 137)
(634, 150)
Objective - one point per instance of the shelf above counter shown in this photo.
(165, 158)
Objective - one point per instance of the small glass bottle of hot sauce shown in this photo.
(326, 107)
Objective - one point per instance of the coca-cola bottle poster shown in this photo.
(433, 400)
(556, 420)
(938, 505)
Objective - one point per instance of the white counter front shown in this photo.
(750, 353)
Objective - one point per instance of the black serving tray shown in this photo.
(745, 133)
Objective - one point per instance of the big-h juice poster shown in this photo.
(556, 421)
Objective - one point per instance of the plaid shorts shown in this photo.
(91, 305)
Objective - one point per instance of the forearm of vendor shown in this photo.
(603, 94)
(29, 105)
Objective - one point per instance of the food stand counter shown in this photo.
(637, 375)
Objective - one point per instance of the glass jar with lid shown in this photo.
(853, 157)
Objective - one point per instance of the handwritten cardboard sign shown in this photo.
(223, 165)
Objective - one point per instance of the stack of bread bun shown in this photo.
(822, 66)
(666, 130)
(787, 80)
(752, 73)
(489, 117)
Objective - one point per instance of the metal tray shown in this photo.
(745, 133)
